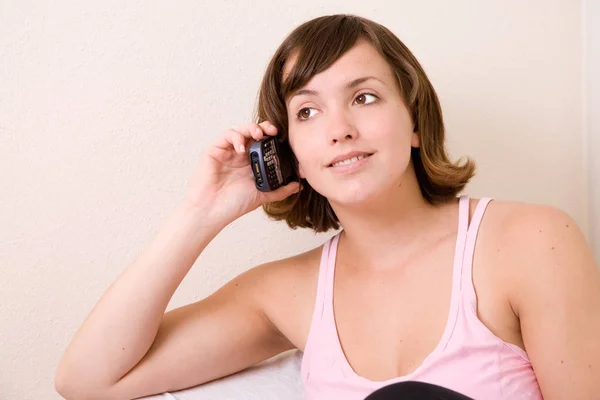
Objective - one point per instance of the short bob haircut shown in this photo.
(318, 43)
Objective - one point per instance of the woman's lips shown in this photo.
(352, 166)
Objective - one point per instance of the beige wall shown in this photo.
(592, 115)
(105, 107)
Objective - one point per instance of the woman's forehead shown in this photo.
(360, 60)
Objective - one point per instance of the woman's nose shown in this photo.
(348, 136)
(341, 128)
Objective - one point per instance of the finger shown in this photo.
(269, 128)
(249, 131)
(256, 131)
(238, 141)
(283, 192)
(231, 138)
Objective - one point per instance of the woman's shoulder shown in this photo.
(296, 268)
(286, 290)
(527, 241)
(513, 221)
(293, 277)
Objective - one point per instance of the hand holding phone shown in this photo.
(222, 184)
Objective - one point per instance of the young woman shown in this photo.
(492, 299)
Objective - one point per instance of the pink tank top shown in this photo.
(469, 358)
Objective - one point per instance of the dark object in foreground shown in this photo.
(415, 391)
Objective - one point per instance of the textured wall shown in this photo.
(592, 115)
(105, 107)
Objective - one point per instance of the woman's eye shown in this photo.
(305, 113)
(364, 98)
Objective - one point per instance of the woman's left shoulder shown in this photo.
(534, 239)
(521, 223)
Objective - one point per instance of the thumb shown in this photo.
(283, 192)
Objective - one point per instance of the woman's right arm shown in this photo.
(128, 347)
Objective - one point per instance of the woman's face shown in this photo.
(349, 128)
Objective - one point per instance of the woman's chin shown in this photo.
(355, 196)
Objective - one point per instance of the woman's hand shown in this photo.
(223, 183)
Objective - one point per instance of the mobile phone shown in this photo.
(271, 163)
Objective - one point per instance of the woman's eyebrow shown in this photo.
(358, 81)
(350, 85)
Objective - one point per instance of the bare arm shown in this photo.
(128, 347)
(212, 338)
(190, 345)
(557, 298)
(209, 339)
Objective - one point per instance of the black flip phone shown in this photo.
(271, 163)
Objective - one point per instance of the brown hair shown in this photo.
(317, 44)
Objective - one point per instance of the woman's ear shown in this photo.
(415, 140)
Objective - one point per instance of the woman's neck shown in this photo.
(392, 227)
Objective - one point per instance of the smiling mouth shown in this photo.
(350, 160)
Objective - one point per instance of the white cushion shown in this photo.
(276, 378)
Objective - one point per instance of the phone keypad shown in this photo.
(272, 165)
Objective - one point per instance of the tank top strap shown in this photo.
(461, 238)
(322, 321)
(324, 298)
(328, 280)
(463, 215)
(468, 290)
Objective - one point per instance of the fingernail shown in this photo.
(242, 148)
